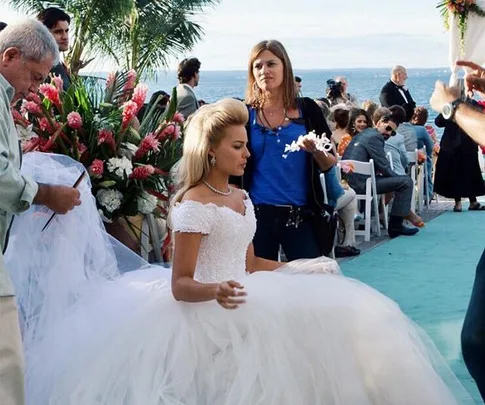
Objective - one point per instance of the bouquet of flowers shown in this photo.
(96, 124)
(461, 9)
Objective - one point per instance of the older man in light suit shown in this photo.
(27, 53)
(188, 75)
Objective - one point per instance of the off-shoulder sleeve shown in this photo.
(193, 217)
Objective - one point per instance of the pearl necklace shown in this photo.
(215, 190)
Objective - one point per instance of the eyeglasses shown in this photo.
(389, 129)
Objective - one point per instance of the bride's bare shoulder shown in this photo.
(198, 193)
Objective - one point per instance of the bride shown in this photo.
(222, 326)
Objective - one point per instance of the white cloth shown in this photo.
(309, 339)
(474, 47)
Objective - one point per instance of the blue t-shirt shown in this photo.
(278, 180)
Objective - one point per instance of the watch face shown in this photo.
(447, 111)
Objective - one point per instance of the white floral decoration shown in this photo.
(322, 143)
(128, 150)
(25, 134)
(146, 203)
(120, 166)
(109, 199)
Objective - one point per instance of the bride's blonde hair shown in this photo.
(204, 130)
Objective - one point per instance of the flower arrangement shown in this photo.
(461, 9)
(96, 124)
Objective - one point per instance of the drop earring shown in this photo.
(213, 161)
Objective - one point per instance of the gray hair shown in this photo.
(397, 69)
(32, 39)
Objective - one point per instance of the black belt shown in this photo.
(294, 214)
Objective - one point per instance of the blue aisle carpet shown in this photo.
(430, 276)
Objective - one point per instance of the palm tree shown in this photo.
(137, 34)
(154, 31)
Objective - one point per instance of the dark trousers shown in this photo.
(280, 226)
(473, 332)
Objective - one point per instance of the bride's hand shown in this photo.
(228, 296)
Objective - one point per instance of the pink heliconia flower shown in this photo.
(130, 108)
(130, 80)
(97, 168)
(110, 81)
(167, 131)
(81, 148)
(139, 95)
(33, 97)
(106, 136)
(179, 118)
(30, 107)
(58, 82)
(45, 125)
(177, 133)
(50, 92)
(142, 172)
(74, 120)
(148, 143)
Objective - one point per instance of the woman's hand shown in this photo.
(228, 296)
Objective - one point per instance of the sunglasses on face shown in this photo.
(389, 129)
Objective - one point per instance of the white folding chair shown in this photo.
(325, 200)
(412, 159)
(370, 197)
(423, 176)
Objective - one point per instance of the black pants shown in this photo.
(290, 228)
(473, 332)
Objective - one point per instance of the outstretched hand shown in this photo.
(228, 296)
(474, 80)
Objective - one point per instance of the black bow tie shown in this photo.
(400, 87)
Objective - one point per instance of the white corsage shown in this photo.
(322, 143)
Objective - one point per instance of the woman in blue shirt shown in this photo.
(286, 191)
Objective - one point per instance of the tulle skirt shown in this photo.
(309, 339)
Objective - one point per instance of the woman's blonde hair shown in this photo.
(254, 95)
(204, 130)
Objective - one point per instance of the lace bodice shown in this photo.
(226, 237)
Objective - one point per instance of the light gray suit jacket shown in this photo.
(187, 103)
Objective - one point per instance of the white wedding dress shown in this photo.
(95, 337)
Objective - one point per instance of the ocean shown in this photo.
(363, 83)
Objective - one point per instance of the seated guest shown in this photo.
(163, 97)
(369, 107)
(395, 144)
(358, 121)
(369, 144)
(339, 116)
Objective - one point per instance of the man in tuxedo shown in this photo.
(394, 92)
(188, 75)
(369, 144)
(57, 22)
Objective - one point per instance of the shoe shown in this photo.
(476, 207)
(397, 227)
(402, 230)
(346, 251)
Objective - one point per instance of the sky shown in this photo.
(318, 34)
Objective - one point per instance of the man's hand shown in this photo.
(442, 95)
(60, 199)
(474, 80)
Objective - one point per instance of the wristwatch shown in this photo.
(448, 110)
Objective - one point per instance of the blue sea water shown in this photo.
(363, 83)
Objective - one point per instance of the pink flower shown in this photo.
(58, 82)
(106, 136)
(142, 172)
(51, 93)
(148, 143)
(139, 95)
(45, 125)
(81, 148)
(30, 107)
(74, 120)
(130, 108)
(33, 97)
(167, 131)
(110, 81)
(179, 118)
(97, 168)
(177, 133)
(130, 80)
